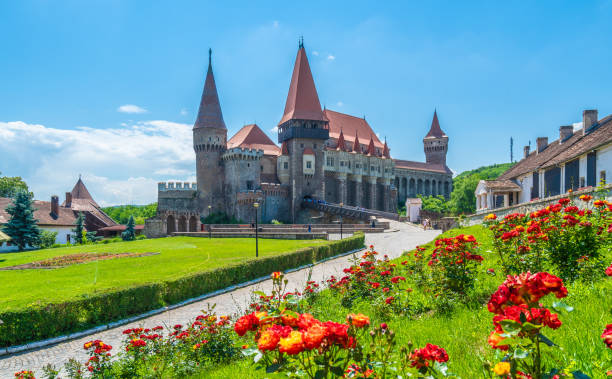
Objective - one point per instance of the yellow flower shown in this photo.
(502, 368)
(490, 216)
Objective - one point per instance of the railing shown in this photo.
(346, 210)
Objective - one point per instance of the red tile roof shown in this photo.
(502, 185)
(252, 137)
(351, 126)
(42, 213)
(434, 130)
(209, 114)
(386, 151)
(302, 99)
(308, 151)
(422, 166)
(119, 228)
(371, 148)
(558, 152)
(82, 201)
(356, 144)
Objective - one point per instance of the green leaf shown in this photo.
(320, 374)
(520, 354)
(561, 306)
(530, 327)
(337, 370)
(545, 339)
(273, 368)
(523, 318)
(260, 293)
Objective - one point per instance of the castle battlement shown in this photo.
(242, 154)
(176, 186)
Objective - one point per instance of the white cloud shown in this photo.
(274, 129)
(131, 108)
(331, 57)
(577, 126)
(183, 112)
(275, 23)
(315, 53)
(339, 104)
(119, 165)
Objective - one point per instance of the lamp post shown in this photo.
(209, 227)
(256, 205)
(341, 205)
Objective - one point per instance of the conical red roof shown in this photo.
(386, 150)
(371, 147)
(356, 144)
(435, 130)
(302, 100)
(252, 137)
(341, 143)
(80, 191)
(209, 114)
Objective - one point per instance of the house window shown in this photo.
(341, 163)
(249, 185)
(602, 177)
(314, 146)
(582, 181)
(309, 164)
(285, 165)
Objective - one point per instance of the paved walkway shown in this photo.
(399, 238)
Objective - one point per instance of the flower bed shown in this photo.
(36, 323)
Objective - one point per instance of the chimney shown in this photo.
(589, 118)
(542, 142)
(565, 132)
(68, 200)
(54, 206)
(526, 151)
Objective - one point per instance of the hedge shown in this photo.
(55, 319)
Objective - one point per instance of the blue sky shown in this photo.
(493, 70)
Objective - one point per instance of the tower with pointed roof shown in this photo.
(303, 129)
(435, 143)
(209, 143)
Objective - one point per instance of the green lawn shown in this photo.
(178, 256)
(463, 333)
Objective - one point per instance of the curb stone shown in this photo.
(114, 324)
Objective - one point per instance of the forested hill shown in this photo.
(463, 199)
(121, 213)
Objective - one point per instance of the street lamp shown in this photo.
(208, 226)
(341, 205)
(256, 205)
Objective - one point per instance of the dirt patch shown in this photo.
(74, 259)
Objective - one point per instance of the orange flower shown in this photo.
(490, 216)
(313, 336)
(289, 320)
(586, 197)
(494, 340)
(291, 345)
(276, 274)
(268, 340)
(305, 321)
(358, 320)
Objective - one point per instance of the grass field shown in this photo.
(178, 256)
(464, 331)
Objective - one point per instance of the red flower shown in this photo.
(609, 270)
(425, 356)
(607, 336)
(396, 279)
(389, 300)
(246, 323)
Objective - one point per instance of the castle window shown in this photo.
(302, 145)
(209, 139)
(261, 168)
(308, 164)
(314, 146)
(285, 165)
(248, 165)
(249, 185)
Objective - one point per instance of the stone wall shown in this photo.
(410, 183)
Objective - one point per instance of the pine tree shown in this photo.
(129, 234)
(22, 226)
(78, 229)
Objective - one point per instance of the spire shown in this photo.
(386, 150)
(434, 130)
(302, 99)
(371, 148)
(209, 114)
(284, 149)
(356, 144)
(341, 143)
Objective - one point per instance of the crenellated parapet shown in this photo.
(239, 153)
(274, 189)
(176, 186)
(249, 197)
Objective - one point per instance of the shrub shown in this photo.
(47, 239)
(36, 323)
(454, 262)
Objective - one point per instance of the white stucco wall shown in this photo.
(582, 166)
(604, 163)
(61, 238)
(526, 182)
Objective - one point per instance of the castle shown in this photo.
(323, 156)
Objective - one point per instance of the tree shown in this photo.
(463, 199)
(22, 226)
(435, 204)
(78, 229)
(129, 234)
(47, 239)
(9, 186)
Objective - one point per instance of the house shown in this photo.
(576, 160)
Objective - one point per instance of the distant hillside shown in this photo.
(462, 199)
(121, 213)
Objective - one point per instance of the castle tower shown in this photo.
(435, 143)
(209, 143)
(304, 129)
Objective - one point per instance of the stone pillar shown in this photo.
(372, 188)
(342, 189)
(358, 192)
(506, 200)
